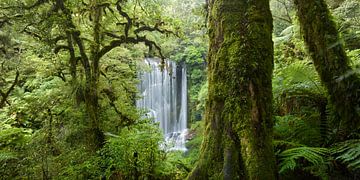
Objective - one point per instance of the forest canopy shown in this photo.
(179, 89)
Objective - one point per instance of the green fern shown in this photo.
(287, 143)
(13, 136)
(299, 76)
(298, 129)
(6, 155)
(314, 155)
(348, 152)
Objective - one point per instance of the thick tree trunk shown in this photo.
(331, 62)
(238, 121)
(96, 136)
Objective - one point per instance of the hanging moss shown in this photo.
(330, 60)
(238, 119)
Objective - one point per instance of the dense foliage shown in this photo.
(63, 116)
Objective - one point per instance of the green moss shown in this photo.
(238, 111)
(331, 62)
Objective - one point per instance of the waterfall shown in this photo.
(164, 96)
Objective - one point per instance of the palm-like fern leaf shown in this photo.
(314, 155)
(6, 155)
(348, 152)
(298, 77)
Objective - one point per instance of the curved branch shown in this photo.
(113, 35)
(129, 40)
(126, 16)
(60, 47)
(155, 28)
(57, 39)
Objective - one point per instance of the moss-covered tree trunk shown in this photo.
(94, 135)
(330, 60)
(238, 121)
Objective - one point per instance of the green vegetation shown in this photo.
(269, 97)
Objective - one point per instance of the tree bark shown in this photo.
(6, 94)
(238, 120)
(331, 63)
(96, 136)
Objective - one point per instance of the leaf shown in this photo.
(6, 155)
(315, 155)
(348, 152)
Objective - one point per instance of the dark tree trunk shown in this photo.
(330, 60)
(238, 119)
(96, 136)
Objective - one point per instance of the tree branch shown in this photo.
(58, 48)
(155, 28)
(32, 34)
(112, 98)
(73, 60)
(283, 19)
(6, 95)
(76, 36)
(126, 16)
(289, 19)
(131, 40)
(57, 39)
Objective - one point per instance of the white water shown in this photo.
(164, 95)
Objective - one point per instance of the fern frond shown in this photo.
(6, 134)
(287, 164)
(6, 155)
(287, 143)
(302, 130)
(315, 155)
(348, 152)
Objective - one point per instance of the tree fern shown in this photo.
(314, 155)
(299, 76)
(348, 152)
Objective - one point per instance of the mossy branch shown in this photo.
(7, 93)
(126, 16)
(128, 40)
(75, 34)
(155, 28)
(33, 34)
(61, 47)
(112, 98)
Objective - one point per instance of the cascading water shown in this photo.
(164, 95)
